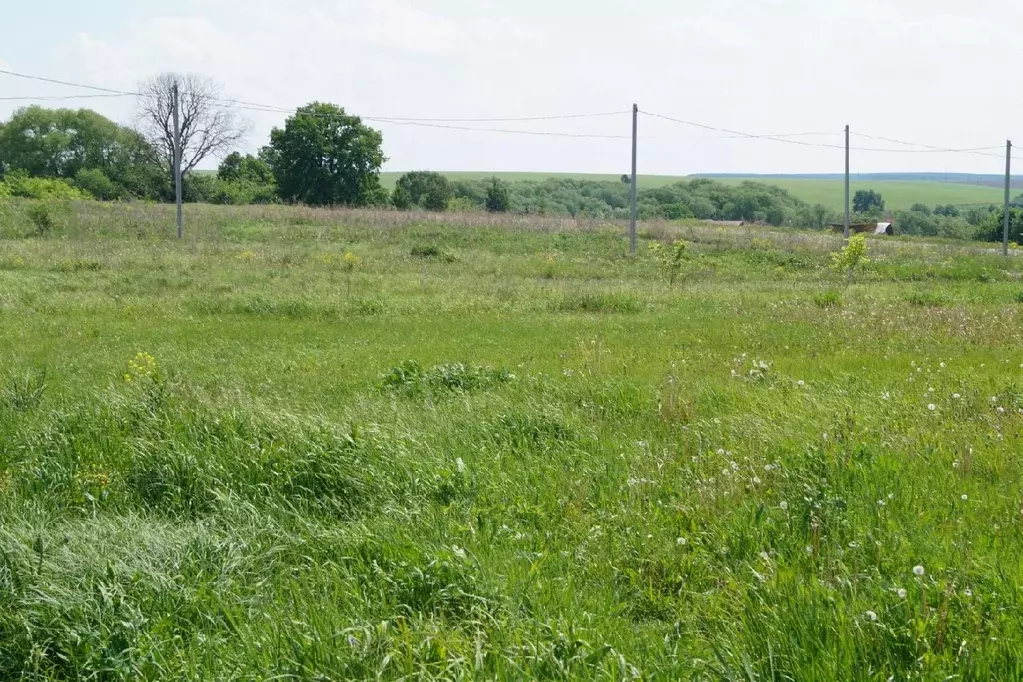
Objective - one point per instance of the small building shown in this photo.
(887, 228)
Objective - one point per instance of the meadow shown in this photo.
(341, 444)
(899, 195)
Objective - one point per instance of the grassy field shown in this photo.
(899, 195)
(309, 444)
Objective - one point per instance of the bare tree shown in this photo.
(208, 126)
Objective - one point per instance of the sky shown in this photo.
(928, 72)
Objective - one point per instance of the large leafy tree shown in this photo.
(868, 201)
(62, 143)
(324, 156)
(422, 189)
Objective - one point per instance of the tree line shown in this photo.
(325, 156)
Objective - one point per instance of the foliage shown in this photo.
(323, 156)
(20, 184)
(851, 257)
(672, 259)
(498, 199)
(422, 189)
(62, 143)
(247, 168)
(868, 202)
(94, 182)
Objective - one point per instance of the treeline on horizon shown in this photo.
(325, 156)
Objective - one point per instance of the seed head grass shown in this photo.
(248, 455)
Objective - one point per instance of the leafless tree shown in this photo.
(208, 126)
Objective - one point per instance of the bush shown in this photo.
(422, 189)
(498, 198)
(94, 182)
(42, 217)
(23, 186)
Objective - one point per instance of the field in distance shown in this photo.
(898, 194)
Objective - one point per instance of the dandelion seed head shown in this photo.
(918, 571)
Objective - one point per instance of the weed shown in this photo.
(26, 392)
(831, 298)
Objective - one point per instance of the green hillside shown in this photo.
(898, 194)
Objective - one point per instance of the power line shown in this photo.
(927, 148)
(65, 83)
(784, 137)
(48, 98)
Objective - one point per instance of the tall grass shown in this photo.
(537, 461)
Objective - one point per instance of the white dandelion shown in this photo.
(901, 592)
(918, 571)
(871, 616)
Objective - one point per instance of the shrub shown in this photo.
(672, 259)
(42, 217)
(828, 299)
(94, 182)
(852, 256)
(422, 189)
(21, 185)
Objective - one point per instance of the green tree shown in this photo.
(96, 183)
(249, 168)
(324, 156)
(868, 201)
(920, 208)
(498, 199)
(59, 143)
(948, 210)
(422, 189)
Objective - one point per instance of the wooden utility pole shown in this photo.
(847, 182)
(1008, 183)
(633, 189)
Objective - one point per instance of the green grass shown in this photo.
(898, 194)
(525, 457)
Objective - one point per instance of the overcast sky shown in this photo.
(935, 72)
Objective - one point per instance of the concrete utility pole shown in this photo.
(847, 182)
(1008, 183)
(177, 159)
(632, 190)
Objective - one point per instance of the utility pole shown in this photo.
(1008, 181)
(177, 159)
(847, 182)
(632, 190)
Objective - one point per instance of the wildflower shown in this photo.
(994, 399)
(918, 571)
(932, 407)
(880, 503)
(886, 396)
(681, 542)
(353, 641)
(956, 396)
(901, 592)
(968, 592)
(965, 498)
(1001, 410)
(871, 616)
(783, 505)
(942, 365)
(459, 552)
(756, 480)
(956, 464)
(721, 451)
(809, 549)
(800, 383)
